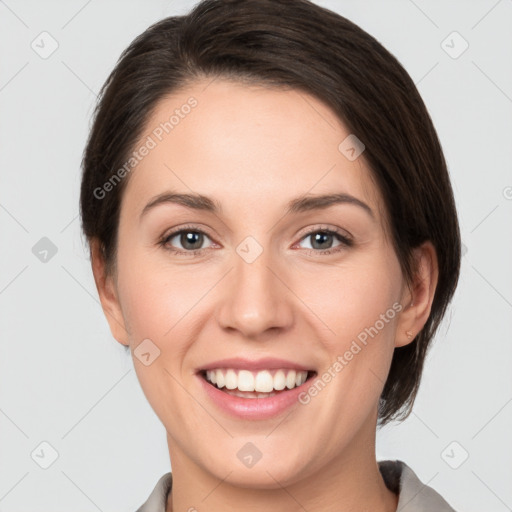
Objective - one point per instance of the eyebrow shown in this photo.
(298, 205)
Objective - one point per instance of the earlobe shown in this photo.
(419, 296)
(108, 294)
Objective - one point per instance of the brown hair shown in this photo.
(292, 44)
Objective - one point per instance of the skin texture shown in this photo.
(253, 149)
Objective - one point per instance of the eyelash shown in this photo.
(346, 242)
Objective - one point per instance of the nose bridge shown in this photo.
(256, 300)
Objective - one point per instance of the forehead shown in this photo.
(247, 146)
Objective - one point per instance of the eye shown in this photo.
(190, 239)
(321, 241)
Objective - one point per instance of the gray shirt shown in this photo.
(413, 495)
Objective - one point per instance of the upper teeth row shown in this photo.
(261, 381)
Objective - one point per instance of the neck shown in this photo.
(350, 481)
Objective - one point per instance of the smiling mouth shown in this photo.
(256, 384)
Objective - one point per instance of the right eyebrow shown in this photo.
(194, 201)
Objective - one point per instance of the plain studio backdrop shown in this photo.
(76, 432)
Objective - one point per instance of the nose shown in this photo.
(256, 300)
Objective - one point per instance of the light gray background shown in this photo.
(66, 381)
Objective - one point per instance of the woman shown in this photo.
(273, 236)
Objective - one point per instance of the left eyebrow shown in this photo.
(298, 205)
(320, 202)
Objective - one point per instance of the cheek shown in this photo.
(155, 298)
(159, 304)
(357, 306)
(350, 299)
(360, 309)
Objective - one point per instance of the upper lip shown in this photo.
(266, 363)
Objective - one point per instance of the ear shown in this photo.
(107, 291)
(420, 295)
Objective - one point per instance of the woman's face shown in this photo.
(253, 281)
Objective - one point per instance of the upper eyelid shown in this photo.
(337, 231)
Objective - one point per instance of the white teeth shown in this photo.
(220, 379)
(279, 380)
(263, 382)
(290, 379)
(231, 380)
(245, 381)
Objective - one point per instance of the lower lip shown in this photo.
(253, 408)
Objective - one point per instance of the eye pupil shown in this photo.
(321, 237)
(191, 237)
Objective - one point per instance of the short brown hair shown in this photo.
(292, 44)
